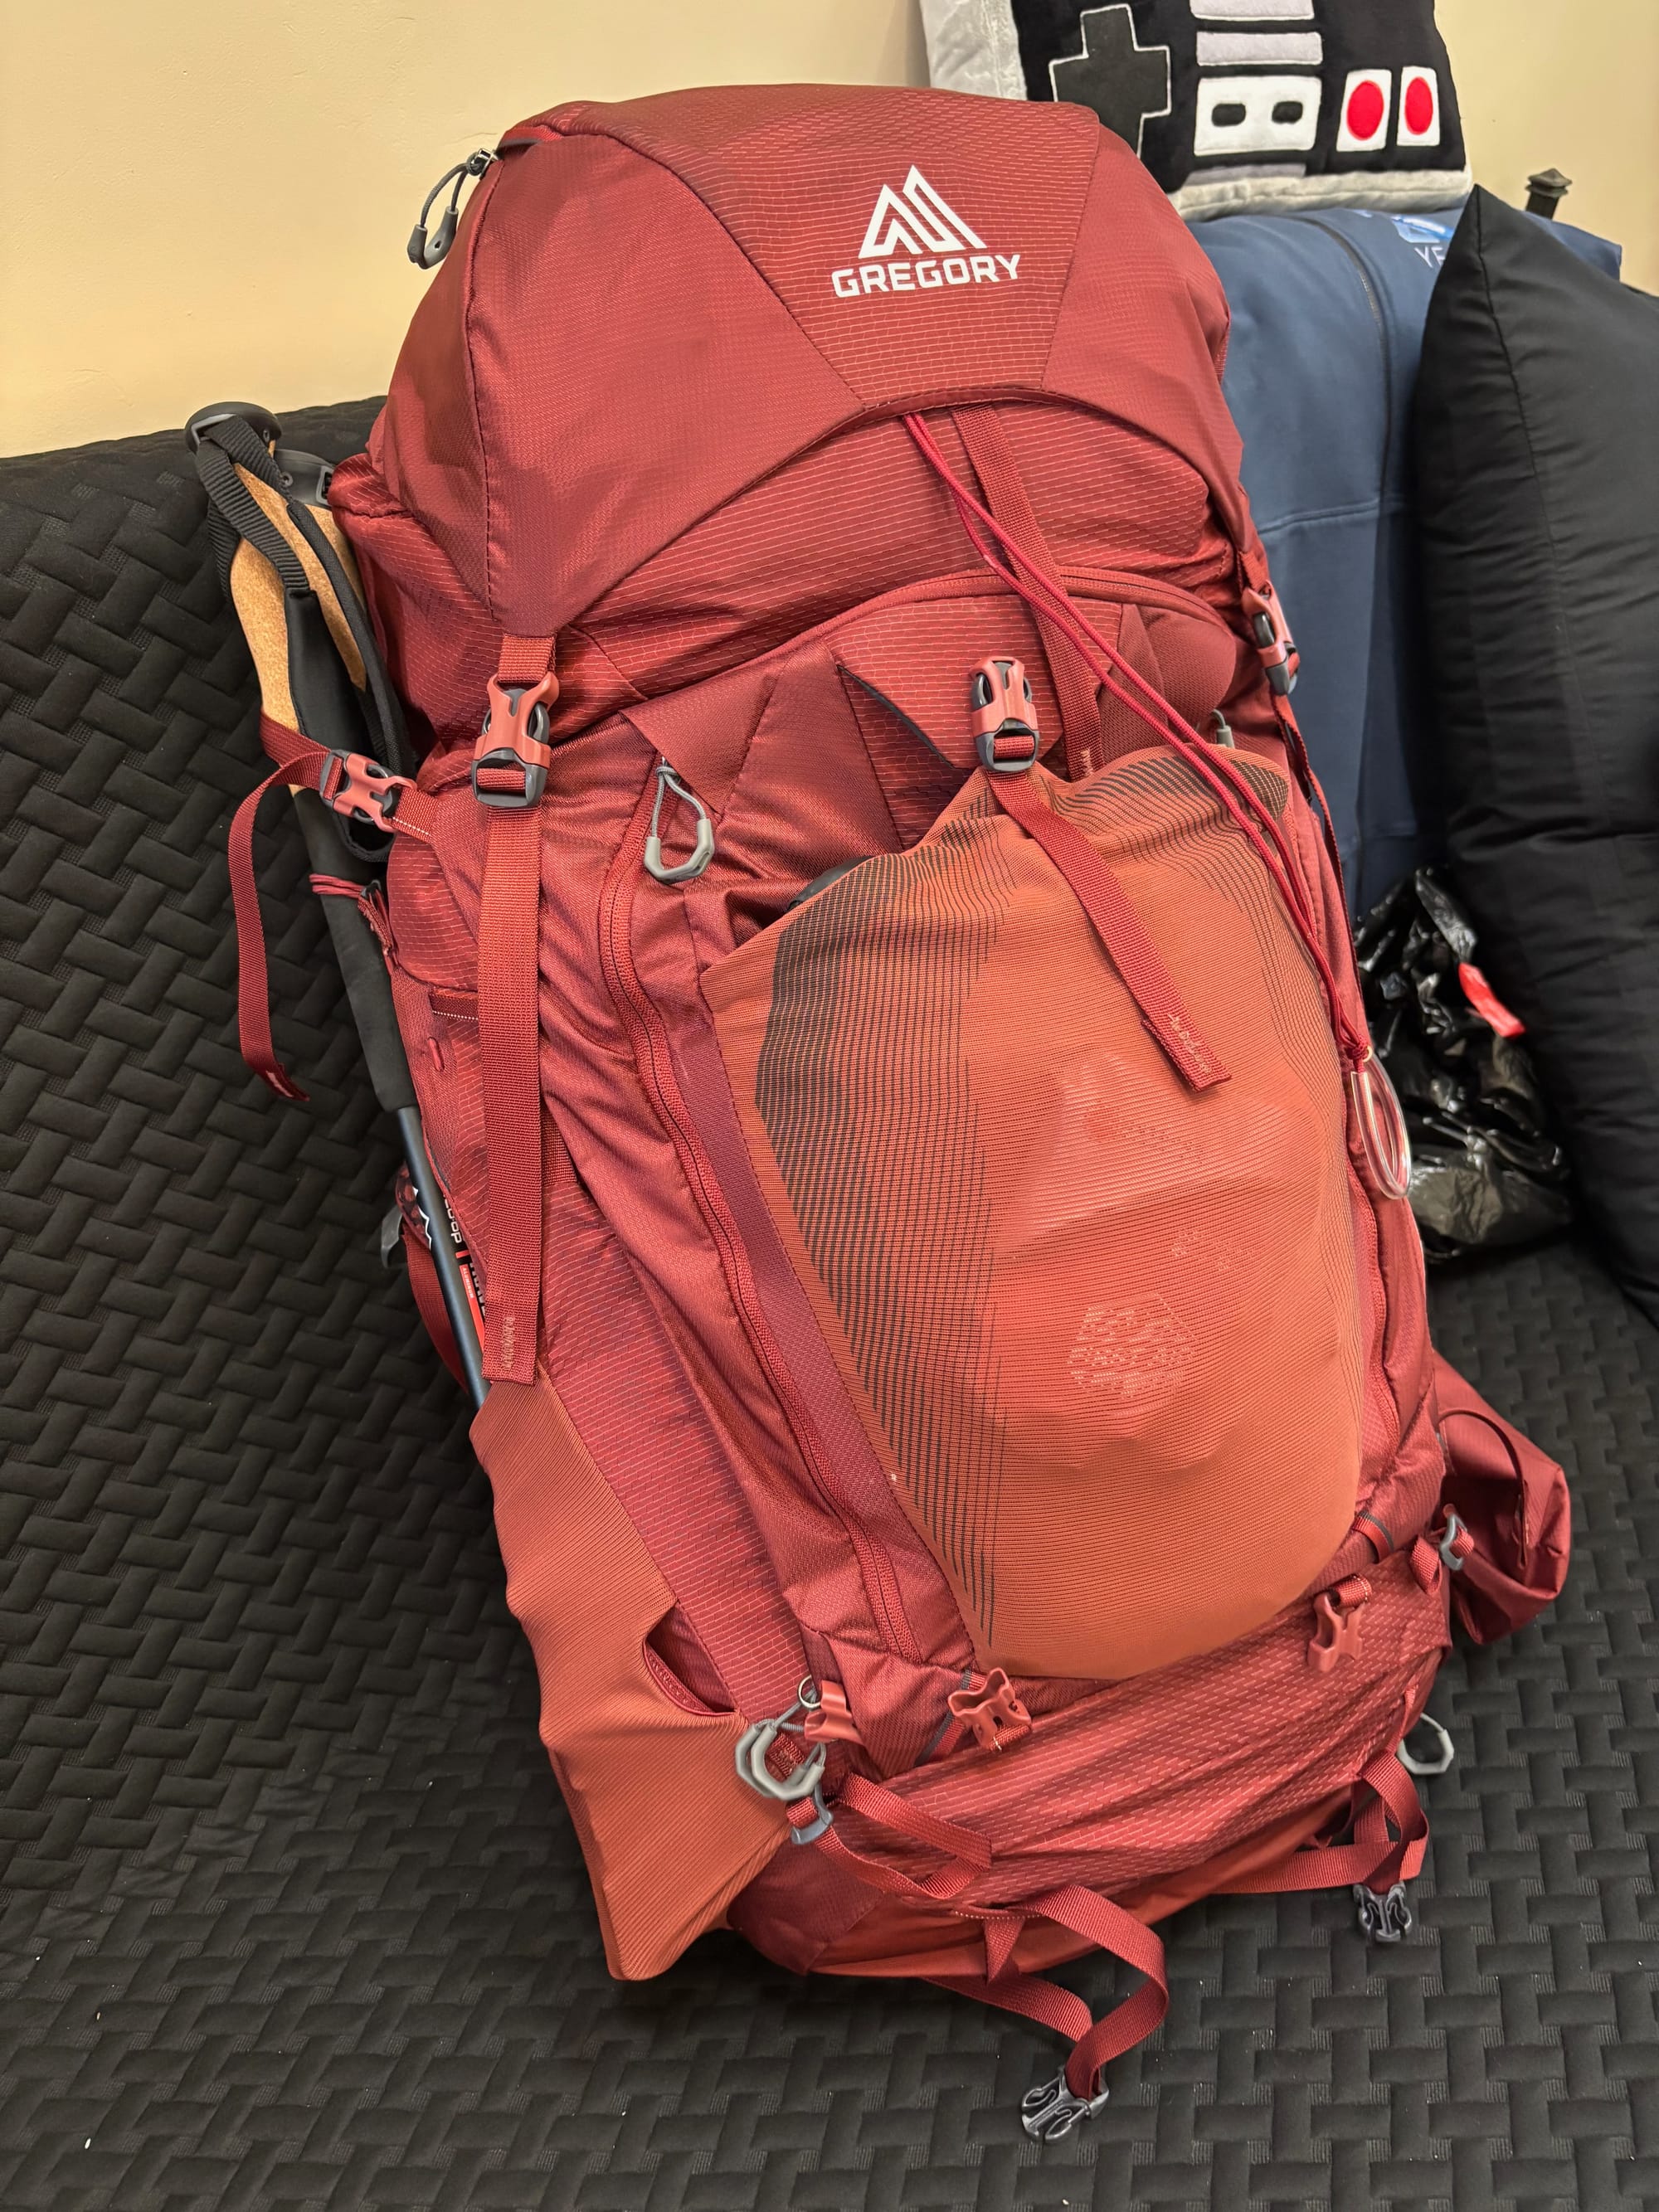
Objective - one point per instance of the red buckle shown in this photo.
(510, 759)
(361, 789)
(1336, 1634)
(1274, 641)
(993, 1710)
(1004, 723)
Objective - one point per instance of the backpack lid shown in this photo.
(652, 305)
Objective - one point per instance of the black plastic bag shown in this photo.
(1486, 1171)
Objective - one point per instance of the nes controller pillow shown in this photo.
(1234, 105)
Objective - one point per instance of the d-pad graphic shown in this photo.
(1126, 83)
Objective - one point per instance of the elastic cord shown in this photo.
(1229, 787)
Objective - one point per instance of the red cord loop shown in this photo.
(1047, 596)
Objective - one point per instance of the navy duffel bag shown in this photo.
(1328, 315)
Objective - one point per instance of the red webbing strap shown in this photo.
(1106, 1926)
(300, 762)
(966, 1855)
(939, 1888)
(1095, 2043)
(509, 1048)
(1374, 1859)
(1117, 925)
(252, 984)
(429, 1300)
(1028, 1995)
(872, 1802)
(1231, 787)
(1109, 1927)
(985, 441)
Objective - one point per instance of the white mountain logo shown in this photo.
(942, 249)
(918, 221)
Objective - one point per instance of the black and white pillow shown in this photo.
(1232, 104)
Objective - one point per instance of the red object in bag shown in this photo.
(937, 1213)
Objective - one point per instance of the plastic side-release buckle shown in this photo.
(1274, 644)
(993, 1710)
(1336, 1624)
(362, 790)
(1383, 1919)
(510, 759)
(1005, 718)
(1050, 2112)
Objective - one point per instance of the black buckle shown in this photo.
(1383, 1919)
(362, 790)
(526, 755)
(1050, 2112)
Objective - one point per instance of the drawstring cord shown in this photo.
(1046, 594)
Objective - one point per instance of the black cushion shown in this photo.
(1538, 488)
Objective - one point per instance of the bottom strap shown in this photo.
(1375, 1859)
(1387, 1844)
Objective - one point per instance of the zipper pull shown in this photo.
(426, 253)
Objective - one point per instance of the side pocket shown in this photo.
(1512, 1499)
(669, 1833)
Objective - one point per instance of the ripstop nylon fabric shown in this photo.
(1009, 1354)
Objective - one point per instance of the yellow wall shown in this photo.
(1572, 85)
(200, 201)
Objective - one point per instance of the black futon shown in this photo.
(293, 1915)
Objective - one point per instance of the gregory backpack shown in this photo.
(831, 884)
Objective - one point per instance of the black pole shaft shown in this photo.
(368, 988)
(435, 1206)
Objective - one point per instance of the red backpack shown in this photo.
(878, 1000)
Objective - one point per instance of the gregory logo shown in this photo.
(915, 242)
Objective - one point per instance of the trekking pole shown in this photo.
(369, 991)
(233, 433)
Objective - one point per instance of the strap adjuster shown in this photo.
(1004, 723)
(1274, 644)
(512, 770)
(1386, 1919)
(361, 788)
(1049, 2112)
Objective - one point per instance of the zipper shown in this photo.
(648, 1034)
